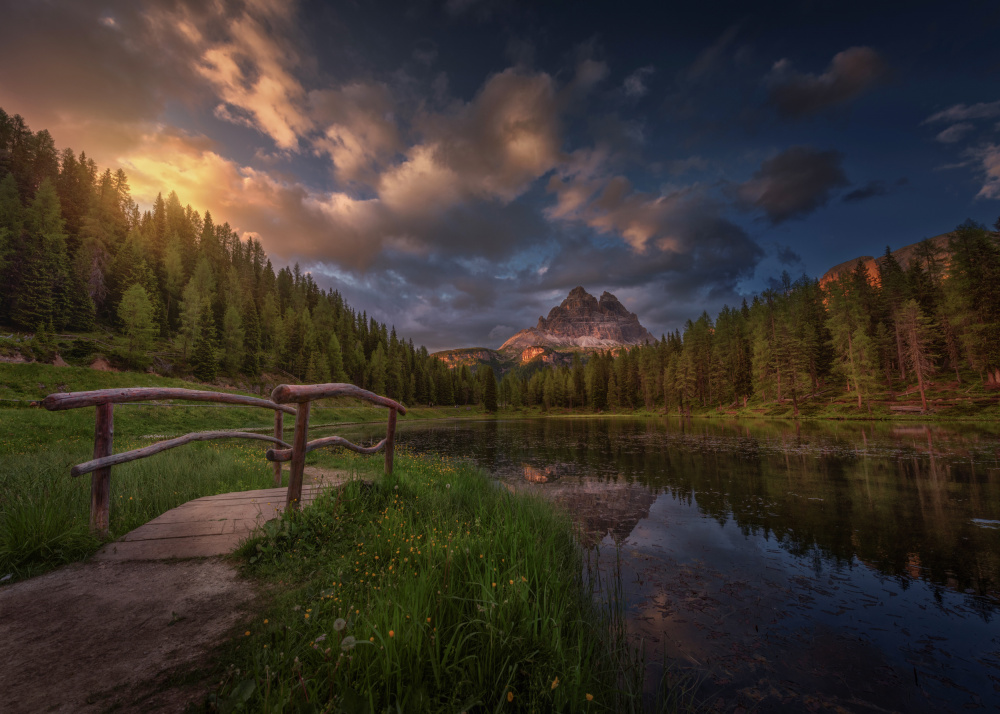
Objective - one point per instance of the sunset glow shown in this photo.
(461, 165)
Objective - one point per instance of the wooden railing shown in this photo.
(304, 395)
(105, 399)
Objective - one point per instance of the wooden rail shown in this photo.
(302, 395)
(126, 456)
(75, 400)
(286, 454)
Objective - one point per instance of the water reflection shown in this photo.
(839, 562)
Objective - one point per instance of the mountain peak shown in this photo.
(581, 321)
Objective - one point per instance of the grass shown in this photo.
(44, 513)
(429, 590)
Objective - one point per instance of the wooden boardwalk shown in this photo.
(213, 525)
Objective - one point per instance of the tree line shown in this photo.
(863, 332)
(77, 253)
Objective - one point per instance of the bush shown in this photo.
(129, 361)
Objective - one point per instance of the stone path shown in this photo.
(213, 525)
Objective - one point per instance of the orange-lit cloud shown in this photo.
(251, 67)
(381, 181)
(990, 157)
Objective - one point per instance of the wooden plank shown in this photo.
(126, 456)
(390, 441)
(294, 497)
(74, 400)
(100, 482)
(299, 393)
(279, 433)
(281, 455)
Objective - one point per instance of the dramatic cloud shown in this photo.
(712, 58)
(954, 133)
(677, 235)
(491, 148)
(360, 134)
(635, 83)
(666, 221)
(787, 256)
(468, 170)
(252, 69)
(793, 184)
(869, 190)
(850, 74)
(90, 77)
(962, 112)
(989, 159)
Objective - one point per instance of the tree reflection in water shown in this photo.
(839, 561)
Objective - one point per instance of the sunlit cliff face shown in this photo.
(456, 167)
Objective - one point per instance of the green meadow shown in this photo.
(432, 590)
(44, 512)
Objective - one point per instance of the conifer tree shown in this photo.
(135, 312)
(41, 289)
(204, 364)
(196, 298)
(251, 341)
(489, 381)
(846, 322)
(232, 340)
(11, 223)
(42, 343)
(377, 371)
(11, 209)
(916, 328)
(173, 279)
(335, 358)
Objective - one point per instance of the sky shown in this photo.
(455, 167)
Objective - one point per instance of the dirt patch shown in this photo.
(314, 475)
(59, 361)
(95, 636)
(102, 365)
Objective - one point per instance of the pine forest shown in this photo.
(184, 292)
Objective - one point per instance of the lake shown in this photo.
(791, 566)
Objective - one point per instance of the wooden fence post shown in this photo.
(390, 439)
(100, 482)
(279, 433)
(294, 498)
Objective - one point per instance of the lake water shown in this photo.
(793, 567)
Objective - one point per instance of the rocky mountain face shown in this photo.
(904, 256)
(582, 321)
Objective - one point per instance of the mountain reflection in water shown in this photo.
(796, 565)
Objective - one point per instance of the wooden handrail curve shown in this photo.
(298, 393)
(304, 395)
(286, 454)
(126, 456)
(75, 400)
